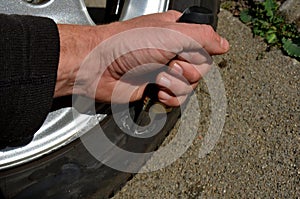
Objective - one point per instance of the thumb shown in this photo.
(205, 35)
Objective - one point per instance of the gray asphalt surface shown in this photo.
(258, 153)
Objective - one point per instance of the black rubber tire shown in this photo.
(72, 172)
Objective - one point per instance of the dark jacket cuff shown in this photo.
(29, 59)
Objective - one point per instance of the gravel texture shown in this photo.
(258, 153)
(291, 10)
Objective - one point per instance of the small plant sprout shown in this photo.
(266, 22)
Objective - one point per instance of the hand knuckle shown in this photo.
(173, 13)
(210, 33)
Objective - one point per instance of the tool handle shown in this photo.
(199, 15)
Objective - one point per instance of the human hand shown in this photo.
(131, 53)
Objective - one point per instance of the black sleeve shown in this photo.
(29, 55)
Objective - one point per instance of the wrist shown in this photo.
(76, 42)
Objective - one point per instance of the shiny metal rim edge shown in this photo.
(65, 125)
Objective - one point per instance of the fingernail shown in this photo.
(164, 82)
(224, 43)
(176, 67)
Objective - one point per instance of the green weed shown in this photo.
(266, 22)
